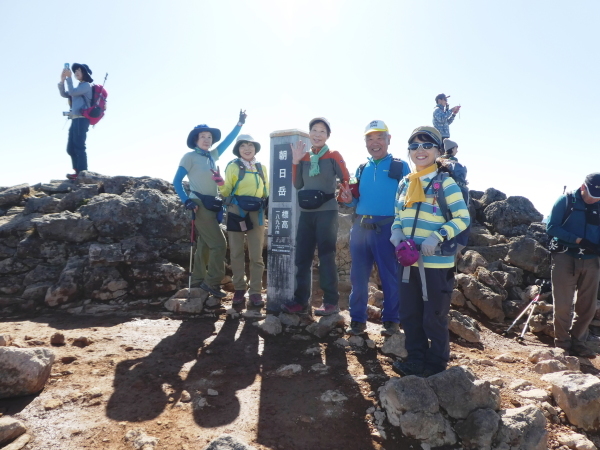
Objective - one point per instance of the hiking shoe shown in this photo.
(71, 176)
(215, 291)
(356, 328)
(408, 368)
(238, 297)
(294, 308)
(390, 328)
(580, 349)
(256, 300)
(327, 310)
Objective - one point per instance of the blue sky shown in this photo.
(525, 74)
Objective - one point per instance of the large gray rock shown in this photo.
(68, 287)
(271, 325)
(470, 261)
(528, 254)
(522, 428)
(228, 442)
(13, 195)
(24, 371)
(10, 428)
(491, 253)
(326, 324)
(65, 226)
(478, 429)
(75, 199)
(143, 211)
(132, 250)
(464, 326)
(104, 283)
(156, 279)
(578, 394)
(18, 225)
(484, 276)
(459, 392)
(492, 195)
(411, 404)
(487, 301)
(43, 205)
(506, 216)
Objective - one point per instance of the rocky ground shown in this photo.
(186, 381)
(92, 312)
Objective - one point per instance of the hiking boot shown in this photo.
(356, 328)
(294, 308)
(408, 368)
(327, 310)
(390, 328)
(580, 349)
(238, 297)
(256, 300)
(215, 291)
(71, 176)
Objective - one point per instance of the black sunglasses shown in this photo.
(425, 145)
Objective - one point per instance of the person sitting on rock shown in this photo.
(204, 178)
(426, 286)
(574, 223)
(315, 175)
(247, 186)
(370, 234)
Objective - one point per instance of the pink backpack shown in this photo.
(96, 111)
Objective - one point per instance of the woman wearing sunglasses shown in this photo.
(426, 286)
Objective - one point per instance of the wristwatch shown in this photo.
(443, 233)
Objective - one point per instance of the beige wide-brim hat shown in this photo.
(240, 140)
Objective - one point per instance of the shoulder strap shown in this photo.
(412, 234)
(360, 170)
(396, 171)
(259, 169)
(570, 206)
(241, 173)
(441, 199)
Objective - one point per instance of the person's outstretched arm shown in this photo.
(231, 136)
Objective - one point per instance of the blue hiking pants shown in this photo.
(423, 320)
(368, 246)
(76, 143)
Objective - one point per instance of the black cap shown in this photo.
(592, 183)
(441, 97)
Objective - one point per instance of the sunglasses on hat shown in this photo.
(425, 145)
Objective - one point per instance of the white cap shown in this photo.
(376, 126)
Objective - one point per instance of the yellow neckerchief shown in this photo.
(415, 192)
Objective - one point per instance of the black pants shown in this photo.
(427, 320)
(76, 143)
(317, 230)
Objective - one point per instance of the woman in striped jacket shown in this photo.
(426, 286)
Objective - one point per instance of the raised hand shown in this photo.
(217, 178)
(298, 151)
(243, 116)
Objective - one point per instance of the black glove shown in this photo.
(243, 116)
(189, 204)
(589, 245)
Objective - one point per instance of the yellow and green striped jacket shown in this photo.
(430, 218)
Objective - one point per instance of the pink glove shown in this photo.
(217, 178)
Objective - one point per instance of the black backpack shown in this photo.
(395, 171)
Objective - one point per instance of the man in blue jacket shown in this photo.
(574, 223)
(370, 236)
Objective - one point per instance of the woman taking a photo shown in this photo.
(247, 188)
(426, 285)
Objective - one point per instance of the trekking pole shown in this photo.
(530, 308)
(191, 253)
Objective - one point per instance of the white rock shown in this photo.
(395, 345)
(333, 396)
(575, 441)
(10, 428)
(535, 394)
(505, 357)
(5, 340)
(319, 368)
(185, 396)
(290, 320)
(497, 381)
(140, 440)
(271, 325)
(289, 370)
(24, 371)
(549, 366)
(519, 384)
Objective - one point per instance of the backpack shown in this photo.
(458, 173)
(98, 105)
(395, 171)
(241, 175)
